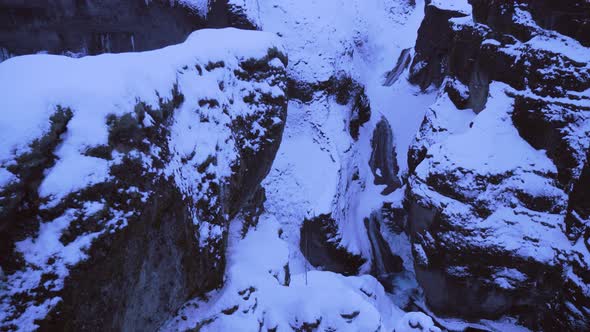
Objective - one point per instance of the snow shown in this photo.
(461, 6)
(506, 277)
(564, 45)
(544, 230)
(416, 322)
(305, 174)
(37, 251)
(552, 41)
(317, 179)
(118, 82)
(26, 321)
(91, 208)
(257, 285)
(442, 120)
(352, 43)
(483, 145)
(74, 172)
(404, 106)
(249, 8)
(491, 42)
(6, 177)
(355, 33)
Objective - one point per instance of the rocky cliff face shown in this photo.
(78, 28)
(117, 195)
(499, 160)
(94, 27)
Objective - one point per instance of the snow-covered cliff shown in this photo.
(493, 212)
(120, 175)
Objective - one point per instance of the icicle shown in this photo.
(132, 43)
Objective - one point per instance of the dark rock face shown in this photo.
(152, 234)
(383, 160)
(571, 17)
(432, 47)
(577, 223)
(361, 112)
(556, 127)
(320, 244)
(578, 218)
(106, 26)
(495, 233)
(135, 279)
(93, 27)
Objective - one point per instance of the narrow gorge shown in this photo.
(295, 165)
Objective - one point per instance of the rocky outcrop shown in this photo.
(498, 163)
(383, 160)
(115, 230)
(320, 244)
(430, 62)
(345, 90)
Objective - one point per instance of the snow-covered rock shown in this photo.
(495, 213)
(120, 174)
